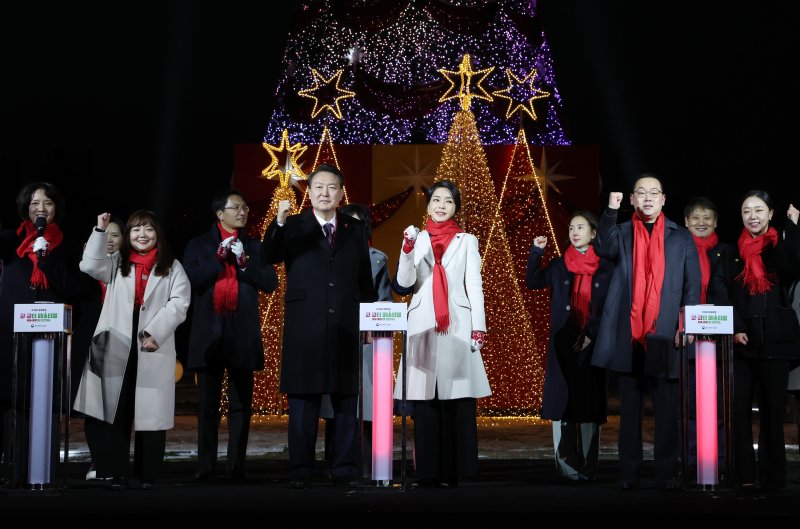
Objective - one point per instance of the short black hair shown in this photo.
(221, 198)
(26, 195)
(700, 203)
(588, 215)
(758, 193)
(649, 175)
(362, 213)
(327, 168)
(450, 186)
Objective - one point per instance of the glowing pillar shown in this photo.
(706, 406)
(382, 408)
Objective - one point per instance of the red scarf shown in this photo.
(226, 288)
(703, 246)
(53, 235)
(144, 264)
(755, 276)
(441, 234)
(583, 266)
(648, 277)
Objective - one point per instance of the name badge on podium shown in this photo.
(383, 316)
(708, 319)
(42, 317)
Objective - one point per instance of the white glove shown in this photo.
(40, 245)
(238, 250)
(227, 242)
(410, 233)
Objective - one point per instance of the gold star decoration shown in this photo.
(292, 170)
(463, 77)
(546, 175)
(517, 93)
(326, 95)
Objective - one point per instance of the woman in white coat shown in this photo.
(446, 329)
(130, 376)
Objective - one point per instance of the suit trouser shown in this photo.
(665, 395)
(303, 426)
(766, 380)
(114, 440)
(240, 411)
(577, 449)
(445, 439)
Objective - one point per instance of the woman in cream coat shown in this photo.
(130, 375)
(446, 329)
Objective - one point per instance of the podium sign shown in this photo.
(42, 317)
(383, 316)
(708, 319)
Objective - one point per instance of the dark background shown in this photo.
(139, 105)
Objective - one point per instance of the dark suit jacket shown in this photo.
(556, 276)
(241, 330)
(614, 347)
(324, 286)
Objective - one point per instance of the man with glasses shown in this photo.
(656, 273)
(226, 271)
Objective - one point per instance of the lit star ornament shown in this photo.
(326, 95)
(463, 77)
(518, 94)
(416, 177)
(292, 170)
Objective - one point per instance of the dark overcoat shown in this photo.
(324, 287)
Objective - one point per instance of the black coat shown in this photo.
(240, 330)
(64, 280)
(573, 388)
(324, 287)
(750, 312)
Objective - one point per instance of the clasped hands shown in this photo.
(234, 246)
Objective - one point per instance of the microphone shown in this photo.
(41, 224)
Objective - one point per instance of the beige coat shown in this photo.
(166, 300)
(436, 362)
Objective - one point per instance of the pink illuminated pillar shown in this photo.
(382, 412)
(706, 406)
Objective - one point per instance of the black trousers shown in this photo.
(665, 395)
(445, 439)
(766, 381)
(303, 426)
(113, 440)
(240, 411)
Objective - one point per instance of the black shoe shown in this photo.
(205, 474)
(628, 485)
(117, 484)
(299, 484)
(236, 474)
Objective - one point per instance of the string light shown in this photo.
(516, 93)
(329, 92)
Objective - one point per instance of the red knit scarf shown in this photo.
(583, 266)
(144, 264)
(53, 235)
(648, 277)
(755, 276)
(226, 288)
(441, 234)
(704, 244)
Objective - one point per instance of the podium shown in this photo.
(40, 398)
(712, 328)
(383, 319)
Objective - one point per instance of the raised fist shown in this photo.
(614, 199)
(283, 211)
(540, 241)
(409, 238)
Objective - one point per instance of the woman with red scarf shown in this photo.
(574, 390)
(446, 330)
(38, 265)
(130, 376)
(754, 277)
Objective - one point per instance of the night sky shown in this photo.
(135, 105)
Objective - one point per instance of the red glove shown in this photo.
(478, 339)
(224, 248)
(409, 238)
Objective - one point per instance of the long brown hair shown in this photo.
(165, 258)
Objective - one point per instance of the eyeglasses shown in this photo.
(652, 193)
(241, 207)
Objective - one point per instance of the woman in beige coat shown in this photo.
(130, 376)
(446, 328)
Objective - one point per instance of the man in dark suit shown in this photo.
(656, 273)
(226, 272)
(328, 274)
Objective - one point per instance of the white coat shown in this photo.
(443, 364)
(166, 301)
